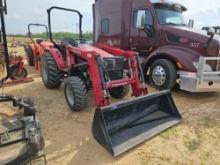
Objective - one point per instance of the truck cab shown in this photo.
(171, 51)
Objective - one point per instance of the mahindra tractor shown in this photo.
(171, 52)
(107, 72)
(35, 49)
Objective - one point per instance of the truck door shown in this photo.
(142, 31)
(142, 22)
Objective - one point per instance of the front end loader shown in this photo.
(108, 72)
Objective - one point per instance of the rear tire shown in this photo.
(75, 93)
(14, 73)
(163, 74)
(51, 75)
(30, 56)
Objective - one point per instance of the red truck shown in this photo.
(171, 52)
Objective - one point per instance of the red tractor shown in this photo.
(35, 49)
(17, 70)
(87, 67)
(108, 72)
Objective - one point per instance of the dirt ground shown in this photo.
(69, 140)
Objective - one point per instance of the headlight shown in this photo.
(207, 68)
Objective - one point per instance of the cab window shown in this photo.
(143, 18)
(105, 26)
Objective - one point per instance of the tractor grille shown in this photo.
(115, 63)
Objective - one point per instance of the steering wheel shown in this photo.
(74, 42)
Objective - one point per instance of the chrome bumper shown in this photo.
(202, 81)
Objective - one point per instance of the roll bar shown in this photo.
(64, 9)
(38, 25)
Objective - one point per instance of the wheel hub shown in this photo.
(70, 95)
(159, 75)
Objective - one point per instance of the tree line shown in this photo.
(56, 35)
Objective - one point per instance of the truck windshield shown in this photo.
(170, 17)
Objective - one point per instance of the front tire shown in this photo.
(163, 74)
(51, 75)
(75, 93)
(30, 56)
(118, 92)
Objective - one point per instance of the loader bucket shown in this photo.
(121, 126)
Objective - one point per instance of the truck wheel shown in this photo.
(51, 75)
(75, 93)
(119, 92)
(163, 74)
(30, 56)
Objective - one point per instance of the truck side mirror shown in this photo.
(211, 31)
(191, 23)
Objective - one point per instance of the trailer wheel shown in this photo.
(30, 56)
(14, 75)
(163, 74)
(119, 92)
(51, 75)
(75, 93)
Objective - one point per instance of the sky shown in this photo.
(23, 12)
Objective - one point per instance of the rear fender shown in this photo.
(182, 58)
(57, 56)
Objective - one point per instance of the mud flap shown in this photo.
(121, 126)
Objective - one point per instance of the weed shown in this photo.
(164, 158)
(208, 122)
(168, 134)
(192, 145)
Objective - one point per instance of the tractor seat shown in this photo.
(70, 41)
(39, 41)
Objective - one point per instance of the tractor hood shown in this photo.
(194, 39)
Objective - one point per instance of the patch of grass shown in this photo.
(178, 163)
(208, 122)
(207, 155)
(168, 134)
(165, 158)
(192, 145)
